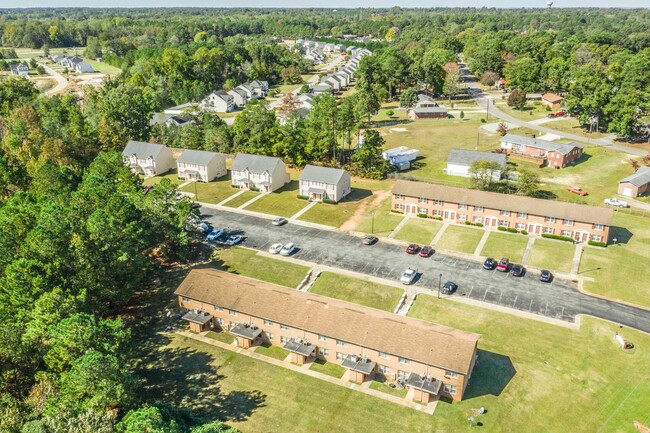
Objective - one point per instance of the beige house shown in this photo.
(552, 100)
(201, 165)
(431, 360)
(635, 184)
(147, 158)
(263, 173)
(581, 222)
(324, 183)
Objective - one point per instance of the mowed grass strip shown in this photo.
(384, 387)
(328, 368)
(419, 230)
(378, 219)
(223, 336)
(552, 255)
(155, 180)
(275, 352)
(241, 199)
(212, 192)
(248, 263)
(283, 202)
(509, 245)
(460, 238)
(336, 214)
(357, 291)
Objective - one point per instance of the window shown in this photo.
(269, 335)
(521, 226)
(437, 213)
(438, 202)
(596, 238)
(383, 369)
(217, 308)
(478, 208)
(402, 374)
(399, 197)
(505, 212)
(521, 215)
(550, 219)
(232, 313)
(450, 389)
(323, 338)
(451, 374)
(478, 219)
(599, 227)
(384, 355)
(399, 207)
(403, 361)
(462, 206)
(219, 320)
(503, 223)
(340, 356)
(341, 343)
(268, 322)
(186, 299)
(422, 200)
(568, 222)
(548, 230)
(324, 352)
(283, 339)
(566, 233)
(462, 217)
(285, 327)
(422, 210)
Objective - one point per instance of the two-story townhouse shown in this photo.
(218, 102)
(263, 173)
(201, 165)
(324, 183)
(19, 69)
(240, 96)
(147, 158)
(550, 153)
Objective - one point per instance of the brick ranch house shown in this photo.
(552, 101)
(549, 153)
(581, 222)
(432, 360)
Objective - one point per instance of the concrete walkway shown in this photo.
(251, 201)
(438, 235)
(575, 264)
(305, 369)
(187, 182)
(481, 243)
(399, 226)
(529, 249)
(227, 199)
(302, 211)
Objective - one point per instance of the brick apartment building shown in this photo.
(580, 222)
(431, 360)
(549, 153)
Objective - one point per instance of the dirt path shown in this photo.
(353, 221)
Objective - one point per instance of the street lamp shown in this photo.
(439, 285)
(196, 192)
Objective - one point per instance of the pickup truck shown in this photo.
(576, 190)
(616, 202)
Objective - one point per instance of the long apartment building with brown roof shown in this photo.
(581, 222)
(431, 360)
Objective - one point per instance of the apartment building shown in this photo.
(258, 172)
(581, 222)
(431, 360)
(324, 183)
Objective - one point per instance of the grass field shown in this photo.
(248, 263)
(272, 352)
(172, 176)
(357, 291)
(328, 368)
(223, 336)
(572, 125)
(241, 199)
(336, 214)
(283, 202)
(104, 68)
(419, 230)
(538, 112)
(505, 245)
(460, 238)
(382, 116)
(383, 387)
(552, 255)
(212, 192)
(376, 217)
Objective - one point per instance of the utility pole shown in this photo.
(196, 192)
(439, 285)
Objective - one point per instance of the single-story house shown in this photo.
(552, 100)
(57, 58)
(239, 96)
(550, 153)
(264, 173)
(201, 165)
(324, 183)
(460, 161)
(77, 64)
(148, 158)
(218, 102)
(428, 113)
(19, 69)
(635, 184)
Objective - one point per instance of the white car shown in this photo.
(408, 276)
(215, 234)
(276, 248)
(616, 202)
(234, 240)
(287, 249)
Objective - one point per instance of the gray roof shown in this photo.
(161, 118)
(142, 149)
(255, 163)
(190, 156)
(430, 110)
(423, 97)
(563, 148)
(467, 157)
(199, 317)
(240, 92)
(330, 176)
(640, 178)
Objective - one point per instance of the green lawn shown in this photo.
(283, 202)
(272, 351)
(249, 263)
(212, 192)
(419, 230)
(376, 217)
(460, 238)
(505, 245)
(104, 68)
(357, 291)
(572, 125)
(528, 113)
(223, 336)
(552, 255)
(241, 199)
(172, 176)
(383, 387)
(337, 214)
(328, 368)
(382, 116)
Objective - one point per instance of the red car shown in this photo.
(576, 190)
(503, 265)
(425, 251)
(412, 249)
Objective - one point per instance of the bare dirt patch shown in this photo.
(353, 221)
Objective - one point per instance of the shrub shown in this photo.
(328, 201)
(501, 229)
(392, 210)
(303, 197)
(390, 113)
(597, 244)
(254, 188)
(467, 223)
(422, 215)
(483, 120)
(479, 224)
(512, 230)
(523, 232)
(557, 237)
(437, 218)
(462, 114)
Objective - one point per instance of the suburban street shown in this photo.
(559, 299)
(61, 82)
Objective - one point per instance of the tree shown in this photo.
(517, 99)
(483, 174)
(451, 86)
(527, 183)
(462, 114)
(367, 161)
(147, 420)
(489, 78)
(502, 129)
(524, 74)
(288, 105)
(255, 129)
(408, 98)
(291, 75)
(321, 129)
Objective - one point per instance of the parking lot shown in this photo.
(559, 299)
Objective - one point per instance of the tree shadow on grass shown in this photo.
(491, 375)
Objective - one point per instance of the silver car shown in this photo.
(287, 249)
(409, 275)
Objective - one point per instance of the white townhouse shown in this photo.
(324, 183)
(246, 89)
(239, 96)
(19, 69)
(201, 165)
(148, 158)
(218, 102)
(264, 173)
(260, 88)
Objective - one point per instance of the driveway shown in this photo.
(559, 299)
(61, 82)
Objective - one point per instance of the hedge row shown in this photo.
(597, 244)
(557, 237)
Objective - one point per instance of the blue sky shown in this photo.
(321, 3)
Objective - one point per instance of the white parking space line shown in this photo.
(485, 294)
(499, 301)
(469, 295)
(530, 306)
(513, 304)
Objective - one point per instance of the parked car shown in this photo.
(147, 189)
(287, 249)
(449, 288)
(545, 276)
(276, 248)
(503, 265)
(517, 271)
(369, 240)
(616, 202)
(234, 240)
(279, 221)
(408, 276)
(489, 263)
(215, 234)
(203, 227)
(412, 249)
(425, 251)
(577, 190)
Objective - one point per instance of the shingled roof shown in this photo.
(255, 163)
(200, 157)
(640, 178)
(142, 150)
(421, 341)
(549, 146)
(314, 173)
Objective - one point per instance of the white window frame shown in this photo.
(549, 230)
(283, 339)
(521, 226)
(340, 356)
(422, 200)
(422, 210)
(284, 327)
(399, 207)
(450, 389)
(233, 313)
(341, 343)
(522, 215)
(550, 219)
(462, 217)
(217, 308)
(451, 374)
(269, 335)
(599, 227)
(478, 208)
(323, 338)
(383, 369)
(268, 322)
(399, 196)
(478, 220)
(566, 233)
(596, 238)
(384, 355)
(504, 223)
(404, 361)
(323, 351)
(437, 212)
(438, 202)
(568, 222)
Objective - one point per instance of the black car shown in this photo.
(489, 263)
(545, 276)
(449, 288)
(369, 240)
(517, 271)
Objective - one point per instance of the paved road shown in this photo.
(560, 299)
(61, 82)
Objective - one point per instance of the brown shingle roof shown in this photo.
(513, 203)
(409, 338)
(552, 98)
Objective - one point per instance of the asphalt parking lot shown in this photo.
(558, 299)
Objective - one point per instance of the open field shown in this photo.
(212, 192)
(572, 125)
(241, 199)
(509, 245)
(419, 230)
(552, 255)
(398, 113)
(460, 238)
(357, 291)
(284, 202)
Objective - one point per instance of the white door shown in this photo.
(627, 192)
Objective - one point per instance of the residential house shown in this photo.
(549, 153)
(335, 85)
(328, 48)
(264, 173)
(321, 88)
(218, 102)
(167, 119)
(247, 89)
(324, 183)
(239, 96)
(536, 216)
(19, 69)
(430, 359)
(307, 100)
(552, 100)
(460, 161)
(425, 101)
(183, 109)
(201, 165)
(147, 158)
(341, 80)
(428, 113)
(57, 58)
(635, 184)
(77, 64)
(260, 88)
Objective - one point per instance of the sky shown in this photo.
(323, 3)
